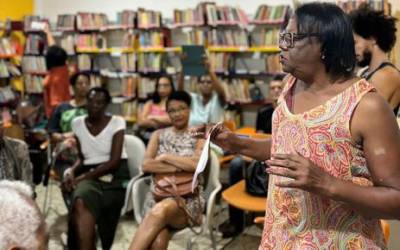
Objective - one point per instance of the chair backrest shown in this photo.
(135, 150)
(211, 189)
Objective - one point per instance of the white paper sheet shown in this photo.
(201, 165)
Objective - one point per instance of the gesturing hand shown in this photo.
(304, 173)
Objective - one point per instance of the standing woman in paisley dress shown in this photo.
(334, 154)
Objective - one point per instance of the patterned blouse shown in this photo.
(297, 219)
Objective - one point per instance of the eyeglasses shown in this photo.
(176, 111)
(205, 82)
(287, 39)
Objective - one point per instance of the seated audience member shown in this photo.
(234, 225)
(60, 121)
(22, 226)
(264, 114)
(15, 163)
(208, 106)
(170, 150)
(153, 116)
(97, 181)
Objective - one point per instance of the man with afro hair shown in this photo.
(375, 36)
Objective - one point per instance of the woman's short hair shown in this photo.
(333, 30)
(74, 78)
(102, 90)
(369, 23)
(156, 97)
(55, 56)
(180, 95)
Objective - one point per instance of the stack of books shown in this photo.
(148, 19)
(95, 81)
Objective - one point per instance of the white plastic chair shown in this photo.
(142, 186)
(135, 150)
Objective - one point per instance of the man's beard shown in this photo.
(366, 59)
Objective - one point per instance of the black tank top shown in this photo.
(368, 76)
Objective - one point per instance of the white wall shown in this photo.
(51, 8)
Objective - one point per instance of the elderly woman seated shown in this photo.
(172, 152)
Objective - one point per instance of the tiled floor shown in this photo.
(56, 219)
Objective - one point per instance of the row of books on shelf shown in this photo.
(33, 64)
(7, 69)
(34, 83)
(66, 22)
(91, 41)
(34, 44)
(271, 14)
(188, 17)
(128, 62)
(215, 15)
(91, 21)
(265, 37)
(5, 47)
(225, 15)
(350, 5)
(151, 39)
(148, 19)
(126, 18)
(157, 39)
(233, 38)
(149, 62)
(226, 63)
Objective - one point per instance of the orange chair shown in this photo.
(237, 196)
(230, 124)
(385, 227)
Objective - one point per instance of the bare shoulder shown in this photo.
(387, 76)
(372, 113)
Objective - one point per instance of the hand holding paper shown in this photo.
(203, 157)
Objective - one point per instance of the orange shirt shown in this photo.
(56, 88)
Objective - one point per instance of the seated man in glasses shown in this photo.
(208, 106)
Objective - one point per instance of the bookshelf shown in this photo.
(9, 71)
(127, 55)
(33, 62)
